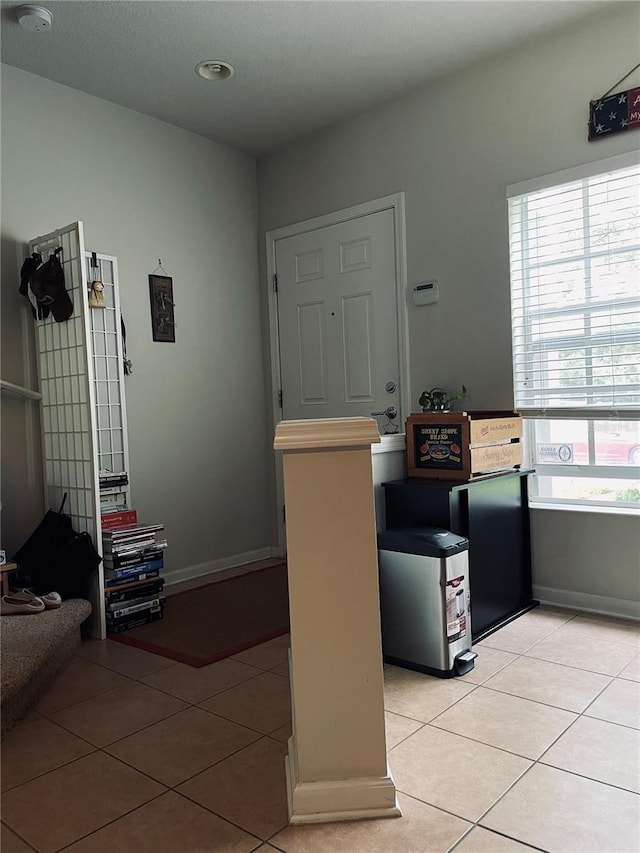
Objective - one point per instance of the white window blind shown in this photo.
(575, 292)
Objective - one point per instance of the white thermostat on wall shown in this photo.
(426, 293)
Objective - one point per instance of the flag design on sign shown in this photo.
(614, 114)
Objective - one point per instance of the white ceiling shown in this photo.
(300, 64)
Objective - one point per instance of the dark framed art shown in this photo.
(162, 320)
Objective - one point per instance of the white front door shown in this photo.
(337, 320)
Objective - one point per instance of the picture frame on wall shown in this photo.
(162, 318)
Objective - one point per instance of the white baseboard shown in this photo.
(341, 799)
(586, 601)
(188, 573)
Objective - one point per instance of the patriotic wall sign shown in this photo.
(614, 114)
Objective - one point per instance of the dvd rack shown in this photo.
(133, 557)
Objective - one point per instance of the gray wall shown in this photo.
(589, 559)
(453, 148)
(199, 441)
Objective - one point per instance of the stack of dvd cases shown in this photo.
(114, 492)
(133, 556)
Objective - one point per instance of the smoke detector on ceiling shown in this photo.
(36, 19)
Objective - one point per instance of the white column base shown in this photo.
(340, 799)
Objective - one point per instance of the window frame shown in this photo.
(574, 340)
(574, 470)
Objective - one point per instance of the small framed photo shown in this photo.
(162, 319)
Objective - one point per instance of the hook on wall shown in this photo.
(160, 267)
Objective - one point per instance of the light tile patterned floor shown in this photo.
(537, 748)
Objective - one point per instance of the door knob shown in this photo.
(391, 412)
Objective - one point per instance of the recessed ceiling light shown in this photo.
(214, 69)
(36, 19)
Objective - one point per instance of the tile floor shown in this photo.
(537, 748)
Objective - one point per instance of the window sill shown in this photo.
(594, 510)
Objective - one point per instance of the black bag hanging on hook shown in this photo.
(30, 265)
(47, 285)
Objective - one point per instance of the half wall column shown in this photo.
(336, 764)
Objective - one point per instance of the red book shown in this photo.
(110, 520)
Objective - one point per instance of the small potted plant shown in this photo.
(439, 400)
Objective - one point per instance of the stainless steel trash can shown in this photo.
(425, 602)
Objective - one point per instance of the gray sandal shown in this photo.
(11, 606)
(51, 600)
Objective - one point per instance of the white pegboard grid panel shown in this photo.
(64, 380)
(106, 367)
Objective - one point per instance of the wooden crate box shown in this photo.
(463, 445)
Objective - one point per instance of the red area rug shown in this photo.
(220, 619)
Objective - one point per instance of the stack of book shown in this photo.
(133, 556)
(114, 496)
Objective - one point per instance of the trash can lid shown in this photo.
(425, 541)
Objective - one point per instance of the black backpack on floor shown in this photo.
(55, 558)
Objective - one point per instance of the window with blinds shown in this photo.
(575, 298)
